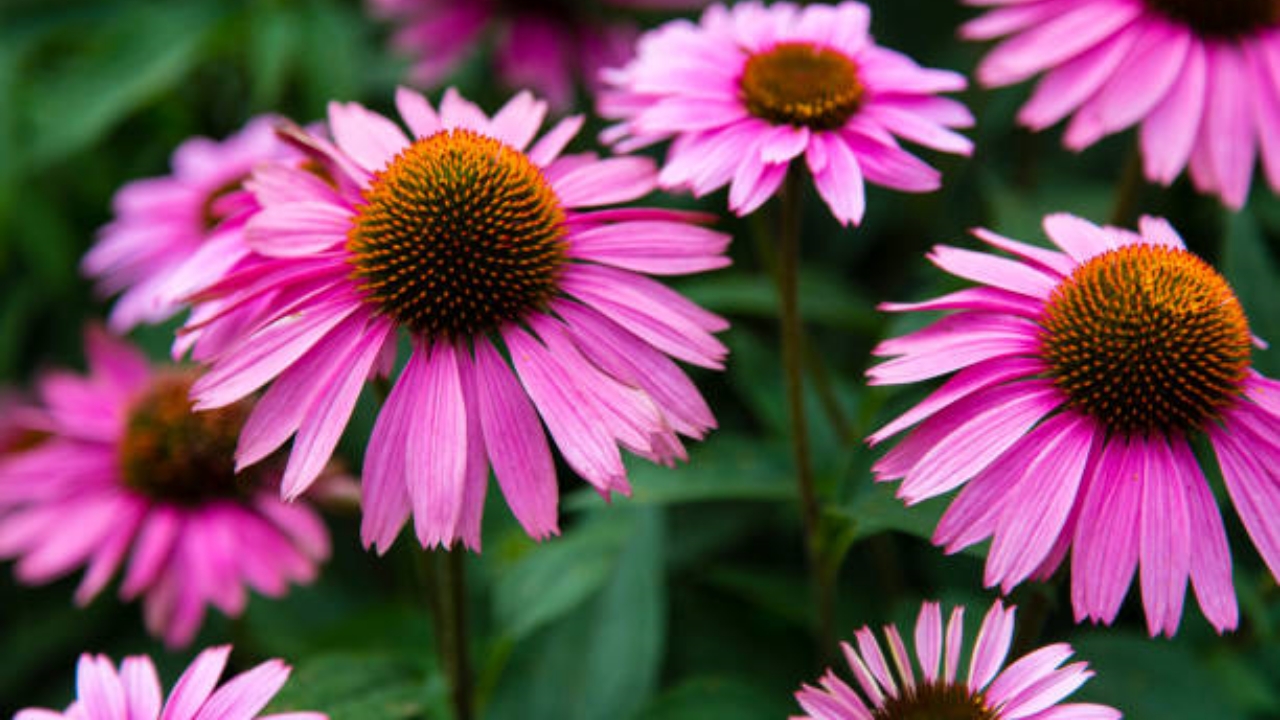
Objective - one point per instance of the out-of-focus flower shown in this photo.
(1082, 376)
(171, 233)
(490, 251)
(1200, 79)
(1032, 686)
(751, 88)
(546, 47)
(134, 692)
(124, 474)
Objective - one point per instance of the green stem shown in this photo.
(1124, 209)
(447, 597)
(788, 273)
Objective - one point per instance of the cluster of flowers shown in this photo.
(520, 276)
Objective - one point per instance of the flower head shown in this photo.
(751, 88)
(1081, 378)
(488, 250)
(134, 693)
(1032, 686)
(123, 473)
(546, 47)
(1200, 79)
(172, 232)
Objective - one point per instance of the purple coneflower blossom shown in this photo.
(1081, 378)
(1201, 79)
(172, 233)
(751, 88)
(134, 692)
(1031, 687)
(490, 251)
(546, 47)
(117, 471)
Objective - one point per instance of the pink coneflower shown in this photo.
(489, 251)
(171, 233)
(121, 473)
(134, 692)
(1083, 375)
(751, 88)
(1202, 79)
(1033, 686)
(546, 47)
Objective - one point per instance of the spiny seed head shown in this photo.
(1220, 18)
(797, 83)
(457, 236)
(935, 701)
(1148, 340)
(171, 453)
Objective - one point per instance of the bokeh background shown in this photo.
(688, 600)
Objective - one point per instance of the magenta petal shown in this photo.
(245, 695)
(989, 650)
(193, 688)
(435, 453)
(517, 446)
(1211, 556)
(1106, 535)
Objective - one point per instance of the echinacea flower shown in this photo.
(1032, 686)
(545, 47)
(134, 692)
(1200, 79)
(171, 233)
(489, 251)
(122, 473)
(749, 89)
(1081, 378)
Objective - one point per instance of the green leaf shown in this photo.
(131, 58)
(1146, 678)
(357, 686)
(714, 697)
(547, 583)
(825, 299)
(1254, 276)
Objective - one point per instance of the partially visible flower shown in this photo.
(1081, 376)
(172, 232)
(1201, 79)
(134, 692)
(525, 298)
(545, 47)
(751, 88)
(1032, 686)
(126, 475)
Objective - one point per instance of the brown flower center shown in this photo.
(1220, 18)
(173, 454)
(935, 701)
(1147, 339)
(796, 83)
(458, 235)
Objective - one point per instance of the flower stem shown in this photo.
(447, 591)
(1124, 208)
(792, 331)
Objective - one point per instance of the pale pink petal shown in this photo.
(193, 688)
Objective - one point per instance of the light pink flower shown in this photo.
(1080, 377)
(545, 49)
(751, 88)
(1200, 79)
(171, 233)
(121, 474)
(134, 692)
(490, 251)
(1032, 687)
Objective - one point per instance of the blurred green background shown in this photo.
(688, 600)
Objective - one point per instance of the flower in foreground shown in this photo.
(1033, 686)
(490, 252)
(546, 47)
(751, 88)
(134, 692)
(1200, 79)
(119, 472)
(171, 233)
(1082, 376)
